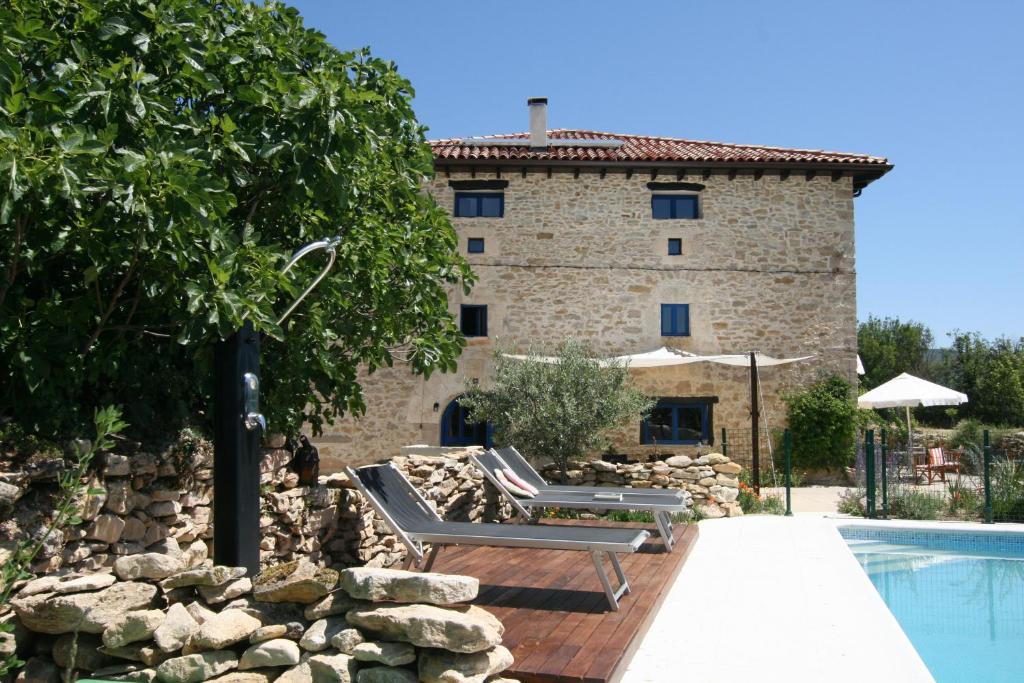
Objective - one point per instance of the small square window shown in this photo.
(671, 206)
(473, 320)
(479, 204)
(475, 245)
(675, 246)
(675, 320)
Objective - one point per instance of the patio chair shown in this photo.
(938, 463)
(415, 523)
(661, 503)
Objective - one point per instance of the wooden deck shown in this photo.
(557, 622)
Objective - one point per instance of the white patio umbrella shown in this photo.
(907, 391)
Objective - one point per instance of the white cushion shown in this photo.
(518, 481)
(509, 486)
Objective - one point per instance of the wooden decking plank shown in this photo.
(555, 613)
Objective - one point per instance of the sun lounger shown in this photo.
(415, 523)
(661, 503)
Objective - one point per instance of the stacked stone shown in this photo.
(711, 481)
(452, 485)
(179, 619)
(147, 502)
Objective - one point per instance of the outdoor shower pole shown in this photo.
(755, 456)
(885, 483)
(236, 454)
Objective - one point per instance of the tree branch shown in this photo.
(113, 301)
(12, 267)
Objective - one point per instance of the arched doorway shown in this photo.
(455, 431)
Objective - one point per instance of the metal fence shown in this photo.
(774, 475)
(983, 482)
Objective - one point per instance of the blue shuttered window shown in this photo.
(677, 422)
(675, 320)
(479, 204)
(673, 206)
(475, 245)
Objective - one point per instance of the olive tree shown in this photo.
(556, 411)
(159, 161)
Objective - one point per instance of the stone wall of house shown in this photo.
(769, 267)
(178, 618)
(711, 479)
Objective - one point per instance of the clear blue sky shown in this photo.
(937, 87)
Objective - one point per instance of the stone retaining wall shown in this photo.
(164, 501)
(711, 479)
(176, 618)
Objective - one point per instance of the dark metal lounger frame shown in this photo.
(582, 497)
(433, 533)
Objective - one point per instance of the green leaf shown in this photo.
(227, 125)
(114, 26)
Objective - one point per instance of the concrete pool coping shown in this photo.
(770, 598)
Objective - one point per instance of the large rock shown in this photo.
(270, 632)
(278, 652)
(438, 666)
(346, 640)
(226, 591)
(79, 651)
(132, 626)
(251, 676)
(197, 667)
(137, 652)
(106, 528)
(224, 629)
(124, 672)
(395, 585)
(333, 668)
(204, 576)
(336, 602)
(300, 673)
(177, 628)
(318, 636)
(679, 461)
(68, 583)
(297, 581)
(147, 566)
(389, 654)
(463, 630)
(386, 674)
(87, 612)
(443, 667)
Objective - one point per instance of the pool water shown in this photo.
(958, 596)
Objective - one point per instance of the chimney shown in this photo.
(538, 123)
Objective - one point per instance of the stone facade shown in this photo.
(769, 266)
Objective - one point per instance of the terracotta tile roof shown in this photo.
(637, 148)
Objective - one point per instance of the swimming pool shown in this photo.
(959, 596)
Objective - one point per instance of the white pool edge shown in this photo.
(831, 623)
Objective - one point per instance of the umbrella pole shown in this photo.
(910, 440)
(755, 455)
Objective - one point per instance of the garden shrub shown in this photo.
(822, 419)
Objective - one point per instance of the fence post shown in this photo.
(869, 471)
(987, 452)
(787, 447)
(725, 443)
(885, 482)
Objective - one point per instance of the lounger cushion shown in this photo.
(516, 480)
(499, 474)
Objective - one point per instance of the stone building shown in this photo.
(633, 243)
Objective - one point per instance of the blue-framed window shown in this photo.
(473, 320)
(475, 245)
(675, 320)
(479, 204)
(670, 206)
(677, 421)
(675, 246)
(456, 431)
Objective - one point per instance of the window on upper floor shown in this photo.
(670, 206)
(675, 246)
(675, 320)
(479, 204)
(678, 421)
(473, 320)
(475, 245)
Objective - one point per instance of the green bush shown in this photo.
(906, 502)
(822, 419)
(1007, 478)
(160, 162)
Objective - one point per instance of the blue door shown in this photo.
(455, 431)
